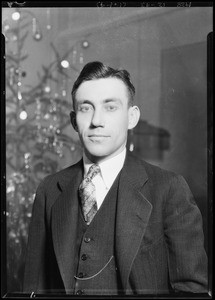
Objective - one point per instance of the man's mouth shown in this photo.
(97, 137)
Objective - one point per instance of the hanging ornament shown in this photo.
(14, 38)
(19, 83)
(131, 147)
(48, 26)
(17, 72)
(64, 93)
(6, 27)
(52, 107)
(23, 114)
(22, 111)
(47, 89)
(47, 116)
(37, 34)
(131, 143)
(50, 129)
(31, 198)
(38, 109)
(64, 64)
(85, 44)
(27, 157)
(11, 75)
(59, 149)
(74, 56)
(64, 84)
(10, 186)
(16, 16)
(54, 144)
(81, 58)
(19, 95)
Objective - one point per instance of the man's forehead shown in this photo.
(110, 86)
(100, 82)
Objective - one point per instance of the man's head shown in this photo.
(97, 70)
(103, 111)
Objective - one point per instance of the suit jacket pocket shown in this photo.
(153, 235)
(149, 273)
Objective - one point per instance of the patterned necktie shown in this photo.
(87, 193)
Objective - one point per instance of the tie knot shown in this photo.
(93, 171)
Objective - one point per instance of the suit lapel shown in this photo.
(133, 212)
(64, 223)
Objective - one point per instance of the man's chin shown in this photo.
(96, 154)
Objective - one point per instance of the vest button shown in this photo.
(81, 275)
(79, 292)
(84, 256)
(87, 239)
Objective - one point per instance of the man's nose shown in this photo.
(97, 118)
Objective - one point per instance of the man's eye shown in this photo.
(85, 108)
(111, 107)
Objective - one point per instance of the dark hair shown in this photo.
(97, 70)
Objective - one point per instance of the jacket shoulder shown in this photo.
(64, 175)
(159, 179)
(166, 181)
(153, 171)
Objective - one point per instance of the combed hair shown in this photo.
(97, 70)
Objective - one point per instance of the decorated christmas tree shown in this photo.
(36, 139)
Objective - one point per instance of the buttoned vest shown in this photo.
(96, 269)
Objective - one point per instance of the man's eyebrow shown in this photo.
(115, 100)
(84, 101)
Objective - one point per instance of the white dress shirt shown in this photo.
(110, 168)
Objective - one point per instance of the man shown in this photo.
(113, 224)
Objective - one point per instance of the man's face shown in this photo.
(102, 117)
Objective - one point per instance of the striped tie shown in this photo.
(87, 193)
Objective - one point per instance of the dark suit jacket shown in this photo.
(159, 236)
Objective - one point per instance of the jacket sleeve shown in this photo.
(187, 258)
(34, 276)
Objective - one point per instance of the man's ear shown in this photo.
(73, 120)
(133, 116)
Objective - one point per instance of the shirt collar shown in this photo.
(109, 168)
